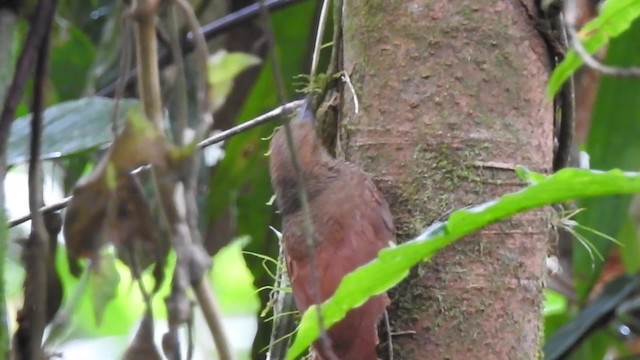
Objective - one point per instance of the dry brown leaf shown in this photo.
(108, 206)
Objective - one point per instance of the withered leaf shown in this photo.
(131, 227)
(107, 206)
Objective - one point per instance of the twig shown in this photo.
(322, 22)
(45, 209)
(147, 58)
(33, 314)
(404, 333)
(356, 104)
(302, 193)
(494, 165)
(387, 324)
(209, 31)
(211, 311)
(202, 54)
(567, 107)
(125, 64)
(190, 267)
(570, 14)
(204, 294)
(336, 53)
(271, 115)
(180, 89)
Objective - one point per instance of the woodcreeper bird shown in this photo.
(351, 222)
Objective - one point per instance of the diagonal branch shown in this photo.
(32, 316)
(209, 31)
(276, 113)
(37, 31)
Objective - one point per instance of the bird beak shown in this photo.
(306, 111)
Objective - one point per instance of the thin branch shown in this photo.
(567, 107)
(271, 115)
(147, 59)
(38, 247)
(45, 209)
(212, 314)
(37, 31)
(209, 31)
(302, 193)
(322, 22)
(202, 54)
(125, 65)
(387, 324)
(276, 113)
(181, 115)
(570, 14)
(32, 317)
(335, 64)
(204, 293)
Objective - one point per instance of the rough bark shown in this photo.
(451, 97)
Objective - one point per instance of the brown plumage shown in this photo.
(352, 223)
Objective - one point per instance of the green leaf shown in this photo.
(589, 319)
(612, 143)
(615, 17)
(236, 293)
(69, 127)
(630, 253)
(123, 312)
(223, 68)
(72, 54)
(393, 264)
(556, 312)
(529, 177)
(103, 280)
(554, 303)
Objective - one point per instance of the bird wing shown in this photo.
(358, 226)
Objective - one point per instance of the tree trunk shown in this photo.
(451, 99)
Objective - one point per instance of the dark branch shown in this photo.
(27, 59)
(32, 316)
(271, 115)
(209, 31)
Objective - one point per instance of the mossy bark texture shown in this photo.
(451, 98)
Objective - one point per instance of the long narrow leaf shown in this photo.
(392, 265)
(615, 18)
(613, 143)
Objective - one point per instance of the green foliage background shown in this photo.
(84, 58)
